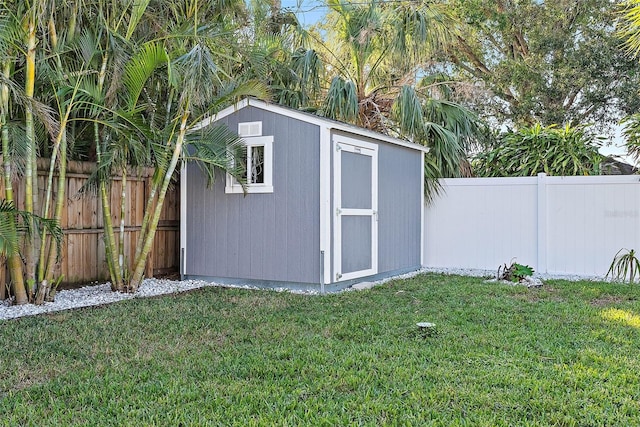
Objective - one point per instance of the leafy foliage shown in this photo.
(625, 265)
(514, 272)
(631, 132)
(532, 150)
(545, 61)
(378, 56)
(15, 223)
(629, 29)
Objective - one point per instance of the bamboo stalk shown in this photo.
(42, 271)
(31, 169)
(147, 239)
(123, 211)
(109, 236)
(60, 199)
(13, 259)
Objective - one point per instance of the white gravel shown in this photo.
(101, 294)
(492, 274)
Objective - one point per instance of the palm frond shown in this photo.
(341, 102)
(87, 46)
(8, 228)
(140, 68)
(216, 148)
(11, 36)
(232, 92)
(14, 222)
(137, 10)
(631, 132)
(432, 184)
(629, 29)
(18, 147)
(200, 74)
(407, 112)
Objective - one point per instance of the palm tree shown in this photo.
(15, 223)
(280, 54)
(10, 35)
(200, 90)
(20, 112)
(380, 54)
(152, 86)
(109, 49)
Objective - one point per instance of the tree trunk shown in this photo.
(123, 212)
(60, 199)
(57, 147)
(109, 236)
(147, 239)
(14, 261)
(31, 167)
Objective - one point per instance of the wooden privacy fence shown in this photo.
(83, 254)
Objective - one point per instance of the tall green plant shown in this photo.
(625, 266)
(281, 54)
(149, 89)
(9, 34)
(535, 149)
(21, 48)
(631, 133)
(199, 91)
(15, 224)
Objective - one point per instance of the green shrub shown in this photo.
(531, 150)
(514, 272)
(624, 266)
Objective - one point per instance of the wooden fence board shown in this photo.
(83, 253)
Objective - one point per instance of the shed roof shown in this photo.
(309, 118)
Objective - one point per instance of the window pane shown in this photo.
(356, 185)
(257, 164)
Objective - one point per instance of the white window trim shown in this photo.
(233, 186)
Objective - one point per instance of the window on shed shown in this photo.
(257, 162)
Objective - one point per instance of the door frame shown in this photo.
(352, 145)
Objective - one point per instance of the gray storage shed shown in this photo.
(328, 204)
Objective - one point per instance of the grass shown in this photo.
(565, 354)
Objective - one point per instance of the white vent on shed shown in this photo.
(250, 129)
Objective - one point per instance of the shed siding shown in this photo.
(273, 236)
(399, 207)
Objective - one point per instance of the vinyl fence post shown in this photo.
(541, 266)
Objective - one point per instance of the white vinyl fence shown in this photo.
(557, 225)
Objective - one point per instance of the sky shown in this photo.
(308, 11)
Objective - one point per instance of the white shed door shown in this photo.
(355, 165)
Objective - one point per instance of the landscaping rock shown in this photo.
(362, 286)
(529, 282)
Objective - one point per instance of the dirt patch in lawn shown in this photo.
(545, 293)
(607, 300)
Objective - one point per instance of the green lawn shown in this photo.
(566, 354)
